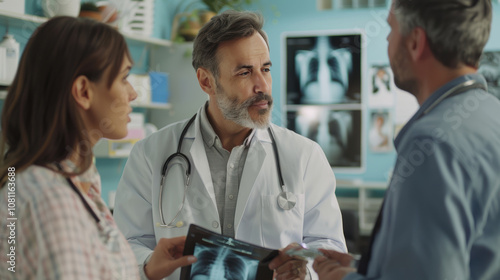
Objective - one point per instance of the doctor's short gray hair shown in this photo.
(457, 30)
(227, 26)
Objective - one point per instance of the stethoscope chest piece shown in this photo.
(287, 200)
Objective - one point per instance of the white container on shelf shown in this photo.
(3, 61)
(142, 86)
(16, 6)
(138, 19)
(12, 56)
(52, 8)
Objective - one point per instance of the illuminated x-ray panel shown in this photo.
(322, 92)
(336, 131)
(323, 69)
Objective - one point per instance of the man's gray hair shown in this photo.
(457, 30)
(227, 26)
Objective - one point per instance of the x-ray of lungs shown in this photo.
(323, 87)
(323, 73)
(337, 132)
(222, 263)
(224, 258)
(323, 69)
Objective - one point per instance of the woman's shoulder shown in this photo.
(41, 187)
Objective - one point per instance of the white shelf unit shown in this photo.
(367, 207)
(31, 22)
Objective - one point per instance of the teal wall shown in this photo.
(298, 15)
(295, 15)
(281, 16)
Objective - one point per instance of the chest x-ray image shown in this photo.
(222, 263)
(489, 67)
(323, 69)
(338, 132)
(224, 258)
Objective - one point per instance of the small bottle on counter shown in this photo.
(12, 57)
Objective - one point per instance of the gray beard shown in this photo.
(238, 113)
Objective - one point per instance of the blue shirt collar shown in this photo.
(436, 95)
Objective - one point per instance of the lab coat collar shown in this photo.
(436, 95)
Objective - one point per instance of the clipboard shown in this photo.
(222, 257)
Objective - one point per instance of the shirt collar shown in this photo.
(208, 134)
(207, 131)
(435, 96)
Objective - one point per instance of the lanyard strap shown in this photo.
(85, 203)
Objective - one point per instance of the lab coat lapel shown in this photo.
(253, 166)
(199, 156)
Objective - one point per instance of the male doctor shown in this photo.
(234, 183)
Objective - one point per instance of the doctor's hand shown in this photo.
(167, 257)
(287, 267)
(333, 265)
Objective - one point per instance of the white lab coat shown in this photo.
(315, 219)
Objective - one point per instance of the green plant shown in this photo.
(89, 6)
(217, 5)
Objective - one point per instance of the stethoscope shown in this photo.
(465, 86)
(286, 200)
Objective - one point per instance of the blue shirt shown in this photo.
(441, 218)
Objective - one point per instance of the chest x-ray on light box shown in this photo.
(336, 131)
(323, 69)
(322, 92)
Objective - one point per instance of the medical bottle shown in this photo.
(12, 56)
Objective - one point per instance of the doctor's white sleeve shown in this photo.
(322, 218)
(133, 212)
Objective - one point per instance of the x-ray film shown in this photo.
(224, 258)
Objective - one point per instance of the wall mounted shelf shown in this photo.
(31, 22)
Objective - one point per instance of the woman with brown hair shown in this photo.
(70, 90)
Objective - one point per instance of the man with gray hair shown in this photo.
(228, 169)
(441, 214)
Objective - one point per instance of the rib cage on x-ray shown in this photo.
(222, 263)
(323, 87)
(323, 72)
(330, 129)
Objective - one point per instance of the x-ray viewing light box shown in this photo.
(322, 92)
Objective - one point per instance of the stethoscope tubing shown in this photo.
(460, 88)
(283, 197)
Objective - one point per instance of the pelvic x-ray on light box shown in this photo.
(322, 91)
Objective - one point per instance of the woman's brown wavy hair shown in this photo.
(40, 120)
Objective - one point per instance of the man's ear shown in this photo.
(206, 80)
(417, 44)
(82, 92)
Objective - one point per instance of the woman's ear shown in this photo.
(82, 92)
